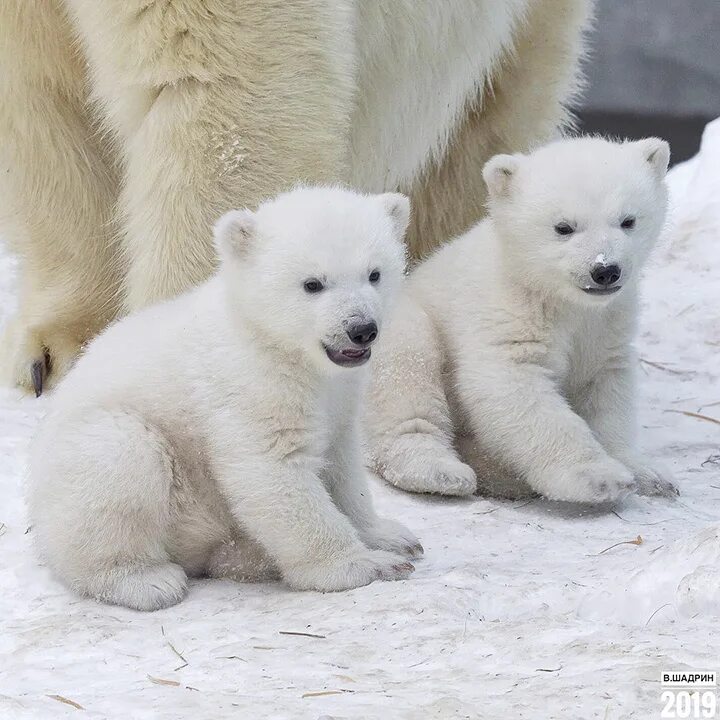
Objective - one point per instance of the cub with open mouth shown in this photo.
(217, 434)
(362, 333)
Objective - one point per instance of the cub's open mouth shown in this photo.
(601, 291)
(349, 357)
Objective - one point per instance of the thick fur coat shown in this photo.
(218, 433)
(509, 367)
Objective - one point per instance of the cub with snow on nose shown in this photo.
(509, 365)
(217, 434)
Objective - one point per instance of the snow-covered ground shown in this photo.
(519, 610)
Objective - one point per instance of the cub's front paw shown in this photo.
(652, 481)
(358, 568)
(593, 482)
(393, 537)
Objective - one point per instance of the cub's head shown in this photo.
(316, 269)
(578, 218)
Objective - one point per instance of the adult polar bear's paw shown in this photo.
(420, 463)
(35, 361)
(358, 568)
(393, 537)
(599, 481)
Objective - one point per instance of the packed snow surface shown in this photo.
(518, 610)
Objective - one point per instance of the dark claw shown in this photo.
(37, 371)
(672, 491)
(414, 551)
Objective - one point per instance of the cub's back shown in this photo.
(457, 285)
(153, 357)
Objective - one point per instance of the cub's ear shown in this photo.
(498, 174)
(235, 233)
(397, 206)
(656, 152)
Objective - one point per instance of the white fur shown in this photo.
(408, 107)
(499, 363)
(212, 434)
(127, 127)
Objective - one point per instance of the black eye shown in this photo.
(628, 223)
(313, 286)
(563, 228)
(374, 276)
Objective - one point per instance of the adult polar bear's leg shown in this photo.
(521, 105)
(57, 188)
(217, 105)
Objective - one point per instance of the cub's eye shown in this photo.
(313, 286)
(563, 228)
(374, 276)
(628, 223)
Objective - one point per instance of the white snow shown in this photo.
(519, 610)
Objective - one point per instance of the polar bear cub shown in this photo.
(509, 364)
(217, 433)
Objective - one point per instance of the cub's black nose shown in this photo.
(605, 275)
(363, 333)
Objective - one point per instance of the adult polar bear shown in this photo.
(143, 120)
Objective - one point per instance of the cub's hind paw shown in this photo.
(423, 465)
(147, 588)
(355, 569)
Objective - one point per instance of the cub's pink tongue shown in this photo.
(351, 353)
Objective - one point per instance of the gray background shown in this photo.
(654, 68)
